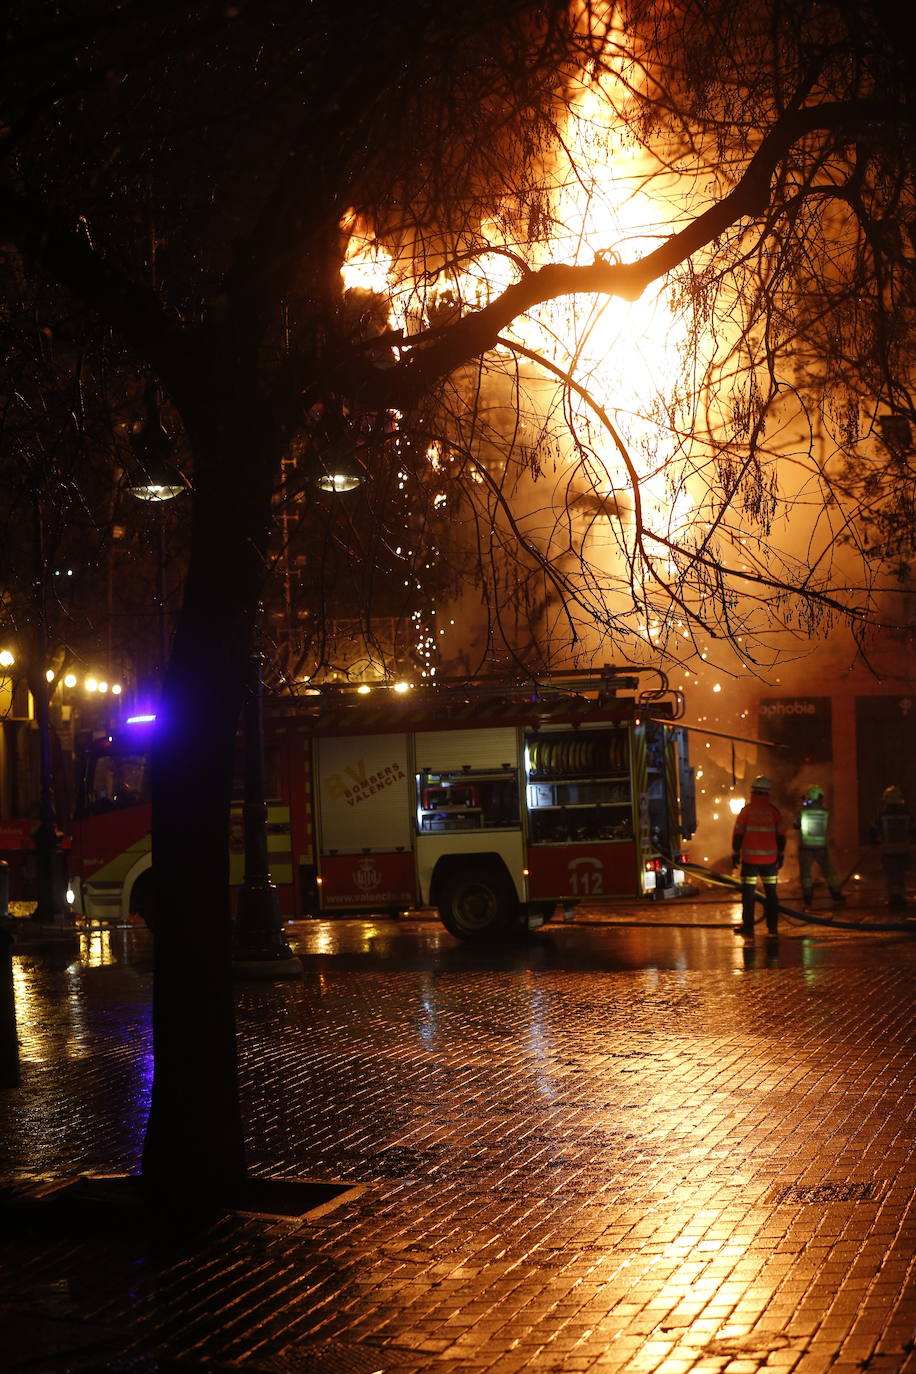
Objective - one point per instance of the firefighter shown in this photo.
(813, 845)
(758, 843)
(893, 830)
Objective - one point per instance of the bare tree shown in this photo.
(778, 141)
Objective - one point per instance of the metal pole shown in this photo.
(50, 883)
(160, 592)
(9, 1040)
(260, 944)
(51, 903)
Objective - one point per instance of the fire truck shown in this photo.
(493, 802)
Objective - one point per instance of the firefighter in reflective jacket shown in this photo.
(893, 830)
(813, 846)
(759, 842)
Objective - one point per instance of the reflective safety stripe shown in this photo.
(814, 826)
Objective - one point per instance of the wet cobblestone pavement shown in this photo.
(623, 1144)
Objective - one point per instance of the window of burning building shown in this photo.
(885, 752)
(802, 725)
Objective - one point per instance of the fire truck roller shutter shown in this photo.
(475, 896)
(489, 747)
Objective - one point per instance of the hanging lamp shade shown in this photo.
(153, 476)
(339, 472)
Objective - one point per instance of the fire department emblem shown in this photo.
(366, 876)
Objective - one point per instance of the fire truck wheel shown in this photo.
(141, 899)
(478, 904)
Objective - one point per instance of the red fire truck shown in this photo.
(492, 802)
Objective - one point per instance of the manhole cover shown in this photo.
(818, 1194)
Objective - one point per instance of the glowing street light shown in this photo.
(339, 480)
(154, 475)
(339, 470)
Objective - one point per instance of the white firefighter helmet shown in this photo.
(761, 784)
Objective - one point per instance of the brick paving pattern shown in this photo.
(613, 1147)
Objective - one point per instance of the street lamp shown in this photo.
(340, 474)
(157, 484)
(260, 947)
(154, 477)
(261, 950)
(336, 466)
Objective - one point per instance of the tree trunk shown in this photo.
(194, 1156)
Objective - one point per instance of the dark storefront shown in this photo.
(802, 726)
(885, 752)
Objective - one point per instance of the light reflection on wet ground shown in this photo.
(606, 1146)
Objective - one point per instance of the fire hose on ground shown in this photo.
(804, 917)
